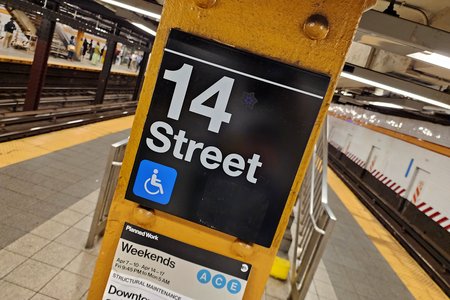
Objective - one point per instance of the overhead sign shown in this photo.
(224, 137)
(150, 266)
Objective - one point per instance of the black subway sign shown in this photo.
(224, 136)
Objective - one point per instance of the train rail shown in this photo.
(67, 99)
(22, 124)
(428, 245)
(12, 99)
(16, 74)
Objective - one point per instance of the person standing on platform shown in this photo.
(91, 49)
(139, 61)
(71, 48)
(103, 54)
(10, 27)
(119, 56)
(116, 56)
(85, 47)
(96, 54)
(102, 50)
(133, 60)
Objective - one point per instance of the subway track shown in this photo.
(429, 256)
(67, 99)
(13, 98)
(16, 74)
(22, 124)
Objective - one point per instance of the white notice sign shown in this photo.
(151, 266)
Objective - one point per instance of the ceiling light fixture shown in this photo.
(386, 104)
(394, 90)
(135, 9)
(145, 28)
(432, 58)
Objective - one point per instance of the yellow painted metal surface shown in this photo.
(271, 28)
(410, 273)
(280, 268)
(79, 42)
(31, 147)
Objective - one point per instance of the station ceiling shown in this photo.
(384, 42)
(387, 59)
(383, 45)
(383, 50)
(95, 17)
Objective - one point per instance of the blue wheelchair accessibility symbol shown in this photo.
(154, 182)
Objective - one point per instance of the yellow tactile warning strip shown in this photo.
(410, 273)
(19, 150)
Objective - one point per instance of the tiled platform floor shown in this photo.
(354, 266)
(35, 190)
(50, 262)
(47, 206)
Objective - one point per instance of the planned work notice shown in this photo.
(148, 266)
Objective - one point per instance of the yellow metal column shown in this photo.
(311, 34)
(79, 44)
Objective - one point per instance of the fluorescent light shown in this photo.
(135, 9)
(386, 104)
(432, 58)
(345, 93)
(145, 28)
(394, 90)
(75, 121)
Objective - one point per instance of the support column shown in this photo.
(78, 44)
(322, 29)
(39, 66)
(141, 76)
(103, 77)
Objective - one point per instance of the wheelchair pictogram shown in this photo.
(155, 182)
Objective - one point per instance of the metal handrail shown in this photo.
(311, 198)
(107, 189)
(314, 221)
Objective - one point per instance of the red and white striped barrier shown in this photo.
(428, 210)
(435, 215)
(397, 188)
(355, 159)
(417, 191)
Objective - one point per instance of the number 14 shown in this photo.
(216, 114)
